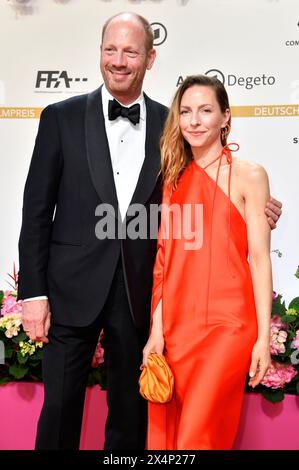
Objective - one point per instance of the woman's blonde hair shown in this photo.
(175, 150)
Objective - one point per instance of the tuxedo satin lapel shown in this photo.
(98, 153)
(151, 165)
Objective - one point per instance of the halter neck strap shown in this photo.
(227, 149)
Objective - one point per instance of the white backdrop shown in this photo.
(59, 40)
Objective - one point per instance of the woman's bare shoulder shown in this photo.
(249, 171)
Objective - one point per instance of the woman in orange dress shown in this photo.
(212, 291)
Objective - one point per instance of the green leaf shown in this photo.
(21, 337)
(282, 358)
(291, 335)
(5, 380)
(37, 356)
(296, 378)
(8, 352)
(3, 338)
(278, 307)
(288, 318)
(1, 297)
(295, 304)
(22, 359)
(273, 396)
(18, 371)
(34, 364)
(97, 376)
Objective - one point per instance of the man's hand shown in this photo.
(36, 319)
(273, 212)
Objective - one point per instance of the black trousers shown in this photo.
(66, 361)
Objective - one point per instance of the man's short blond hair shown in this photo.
(149, 35)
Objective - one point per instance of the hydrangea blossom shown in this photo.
(10, 303)
(278, 336)
(278, 375)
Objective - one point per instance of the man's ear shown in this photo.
(151, 56)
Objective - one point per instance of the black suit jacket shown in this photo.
(70, 175)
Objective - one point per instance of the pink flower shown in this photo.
(296, 340)
(278, 338)
(276, 321)
(10, 303)
(98, 357)
(278, 335)
(278, 375)
(274, 295)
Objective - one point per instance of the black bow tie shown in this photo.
(115, 109)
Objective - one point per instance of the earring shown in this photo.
(225, 131)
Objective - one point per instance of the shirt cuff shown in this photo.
(41, 297)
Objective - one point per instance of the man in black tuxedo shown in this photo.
(92, 150)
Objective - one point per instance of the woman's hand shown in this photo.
(155, 344)
(260, 361)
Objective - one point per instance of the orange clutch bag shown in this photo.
(156, 380)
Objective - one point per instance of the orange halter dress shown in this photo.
(209, 317)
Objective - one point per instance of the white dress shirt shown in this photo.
(127, 152)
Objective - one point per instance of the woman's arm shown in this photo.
(256, 194)
(155, 342)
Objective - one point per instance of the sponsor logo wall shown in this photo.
(50, 51)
